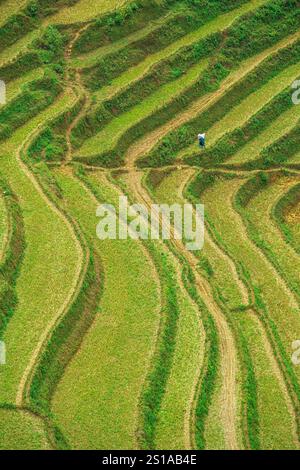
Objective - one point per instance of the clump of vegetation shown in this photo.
(13, 256)
(157, 379)
(165, 151)
(34, 98)
(51, 45)
(289, 201)
(228, 145)
(28, 19)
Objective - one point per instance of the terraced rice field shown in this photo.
(135, 343)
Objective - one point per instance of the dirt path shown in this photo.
(228, 353)
(144, 145)
(208, 239)
(189, 424)
(179, 166)
(221, 253)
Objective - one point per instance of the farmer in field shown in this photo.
(201, 139)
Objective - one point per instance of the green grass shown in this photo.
(50, 255)
(21, 430)
(218, 202)
(82, 11)
(241, 113)
(97, 401)
(259, 214)
(272, 414)
(15, 87)
(12, 255)
(91, 58)
(286, 213)
(10, 7)
(115, 64)
(167, 192)
(3, 226)
(108, 138)
(134, 73)
(19, 47)
(275, 131)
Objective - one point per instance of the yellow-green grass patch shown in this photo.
(296, 158)
(134, 73)
(4, 227)
(91, 58)
(10, 53)
(214, 434)
(240, 114)
(97, 401)
(85, 10)
(218, 200)
(276, 423)
(10, 7)
(292, 219)
(50, 261)
(259, 211)
(279, 127)
(167, 192)
(108, 137)
(175, 424)
(21, 430)
(15, 86)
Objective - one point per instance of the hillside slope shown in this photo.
(139, 343)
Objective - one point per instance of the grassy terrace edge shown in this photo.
(210, 81)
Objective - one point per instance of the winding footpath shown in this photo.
(228, 352)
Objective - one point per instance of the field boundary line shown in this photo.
(156, 278)
(226, 339)
(74, 289)
(8, 232)
(189, 426)
(277, 275)
(147, 142)
(244, 233)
